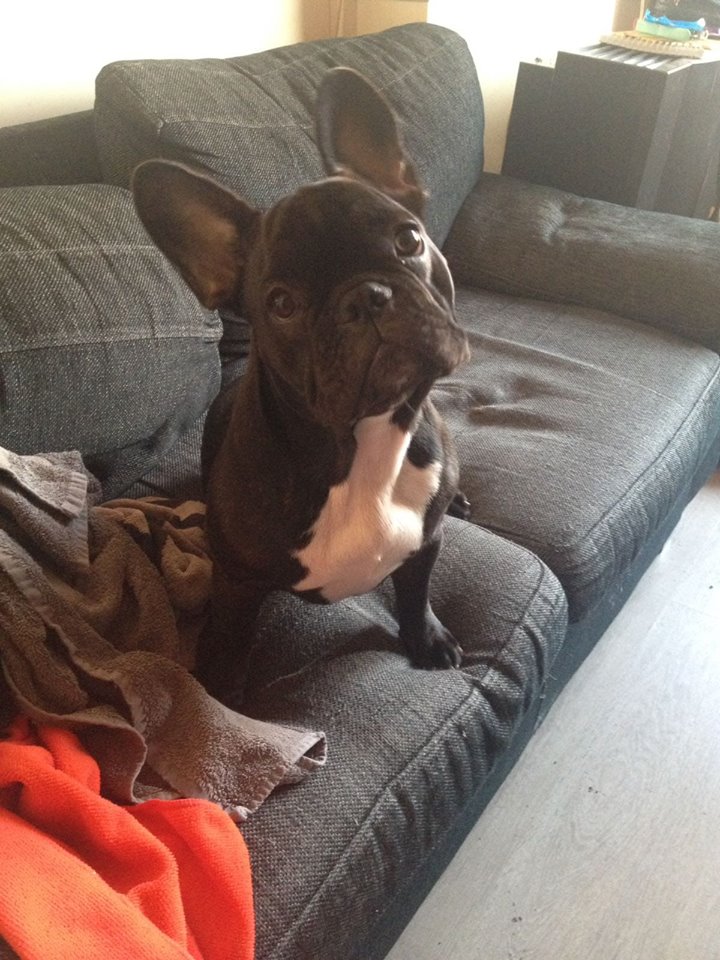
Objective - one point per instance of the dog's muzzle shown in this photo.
(385, 337)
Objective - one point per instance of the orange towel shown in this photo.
(83, 877)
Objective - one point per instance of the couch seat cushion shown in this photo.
(408, 748)
(577, 431)
(103, 348)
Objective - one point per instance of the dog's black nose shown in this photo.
(366, 301)
(375, 296)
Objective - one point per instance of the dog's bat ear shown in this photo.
(204, 229)
(358, 135)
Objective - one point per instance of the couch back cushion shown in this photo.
(103, 348)
(248, 120)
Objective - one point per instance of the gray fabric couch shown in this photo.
(585, 421)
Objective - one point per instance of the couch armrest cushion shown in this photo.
(532, 241)
(249, 121)
(58, 150)
(103, 348)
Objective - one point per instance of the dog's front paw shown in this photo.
(436, 649)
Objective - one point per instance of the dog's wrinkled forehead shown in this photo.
(332, 228)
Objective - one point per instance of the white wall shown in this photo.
(52, 50)
(500, 37)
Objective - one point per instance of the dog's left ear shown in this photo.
(357, 134)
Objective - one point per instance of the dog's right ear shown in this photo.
(203, 228)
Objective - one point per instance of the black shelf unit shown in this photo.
(626, 126)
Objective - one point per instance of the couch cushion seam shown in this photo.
(119, 341)
(107, 248)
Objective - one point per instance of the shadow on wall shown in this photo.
(536, 32)
(350, 18)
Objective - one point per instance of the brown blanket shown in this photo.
(100, 610)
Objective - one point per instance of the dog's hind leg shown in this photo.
(223, 652)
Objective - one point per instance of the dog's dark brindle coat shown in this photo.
(327, 468)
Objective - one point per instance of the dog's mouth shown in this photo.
(385, 352)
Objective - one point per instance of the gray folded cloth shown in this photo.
(100, 610)
(44, 502)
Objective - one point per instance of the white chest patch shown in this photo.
(371, 521)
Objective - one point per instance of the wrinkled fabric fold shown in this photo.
(103, 643)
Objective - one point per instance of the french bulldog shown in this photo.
(327, 468)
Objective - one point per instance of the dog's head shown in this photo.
(350, 301)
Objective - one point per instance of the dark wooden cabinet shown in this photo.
(634, 128)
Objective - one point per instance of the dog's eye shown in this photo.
(281, 303)
(409, 241)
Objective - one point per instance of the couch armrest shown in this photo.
(533, 241)
(55, 151)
